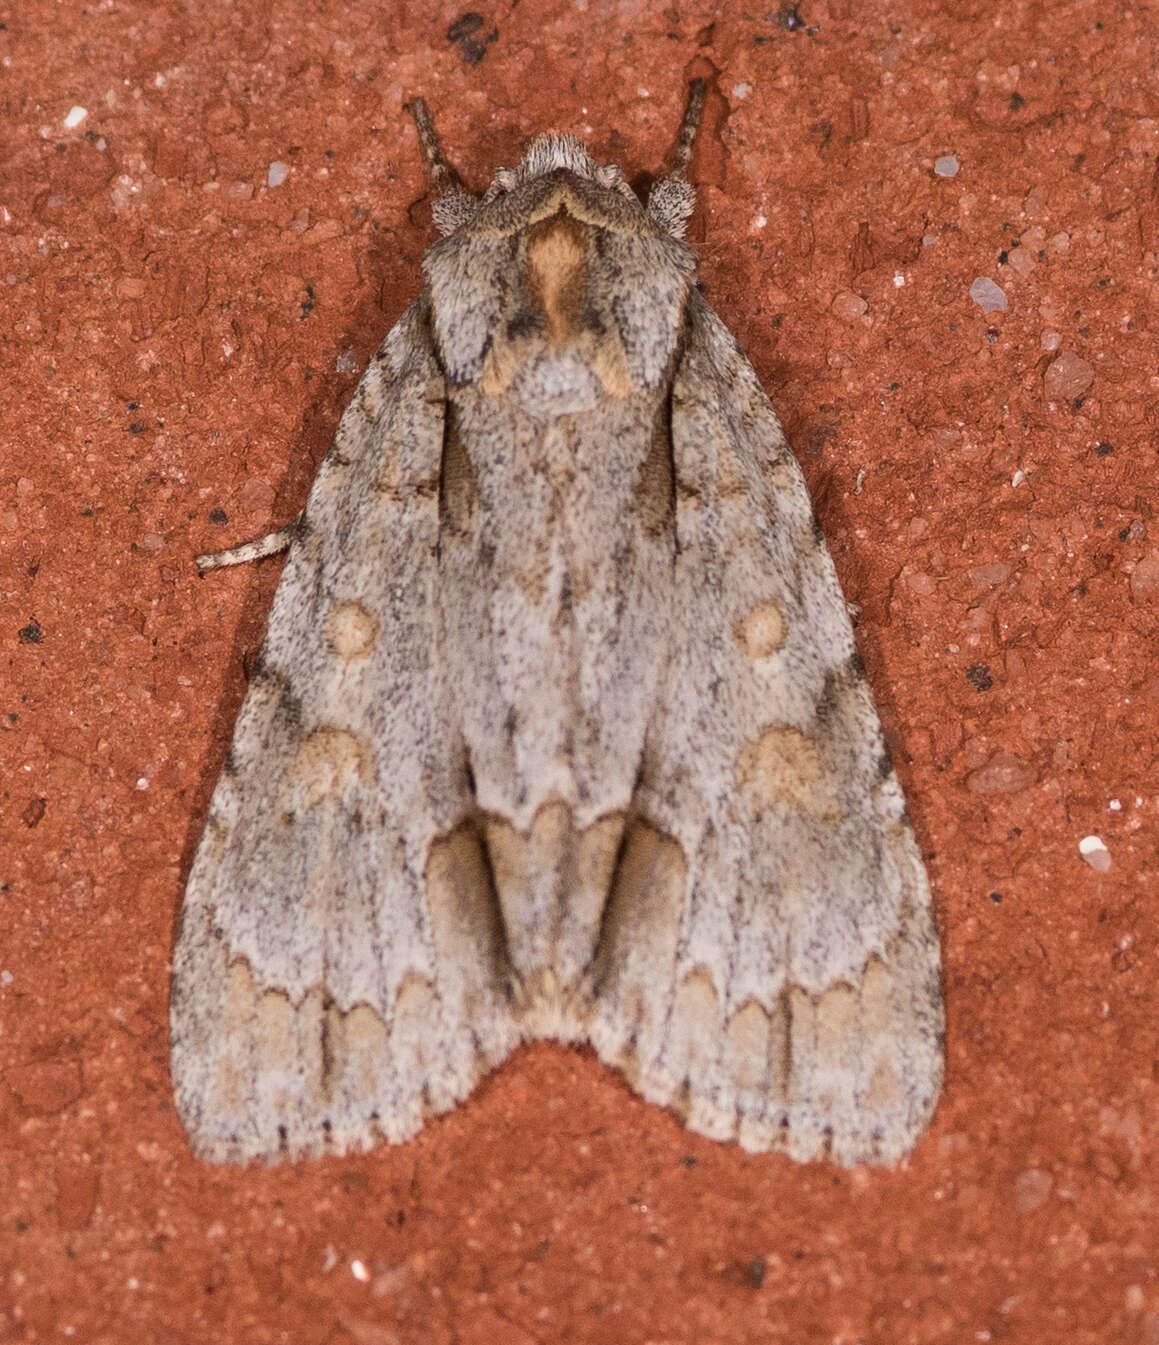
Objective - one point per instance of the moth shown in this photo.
(558, 729)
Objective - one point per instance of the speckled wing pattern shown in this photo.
(338, 968)
(779, 983)
(558, 730)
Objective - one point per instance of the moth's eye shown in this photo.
(608, 174)
(506, 178)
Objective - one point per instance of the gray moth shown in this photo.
(558, 729)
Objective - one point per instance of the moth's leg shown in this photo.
(269, 545)
(453, 206)
(671, 199)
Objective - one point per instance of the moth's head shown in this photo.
(549, 152)
(551, 155)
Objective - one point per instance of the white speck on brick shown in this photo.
(74, 118)
(1032, 1190)
(989, 297)
(276, 174)
(1095, 853)
(946, 166)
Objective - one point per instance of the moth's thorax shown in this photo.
(562, 293)
(555, 277)
(553, 352)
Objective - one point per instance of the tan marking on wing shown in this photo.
(877, 989)
(357, 1046)
(649, 889)
(416, 1006)
(414, 1000)
(693, 1038)
(231, 1074)
(328, 762)
(469, 938)
(519, 859)
(287, 1059)
(697, 1001)
(639, 937)
(884, 1087)
(838, 1029)
(503, 363)
(762, 632)
(784, 766)
(746, 1046)
(599, 848)
(352, 630)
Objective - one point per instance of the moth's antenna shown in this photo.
(444, 179)
(453, 206)
(671, 199)
(682, 156)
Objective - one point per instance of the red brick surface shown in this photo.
(179, 339)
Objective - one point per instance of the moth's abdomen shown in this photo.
(552, 884)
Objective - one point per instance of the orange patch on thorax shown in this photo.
(556, 273)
